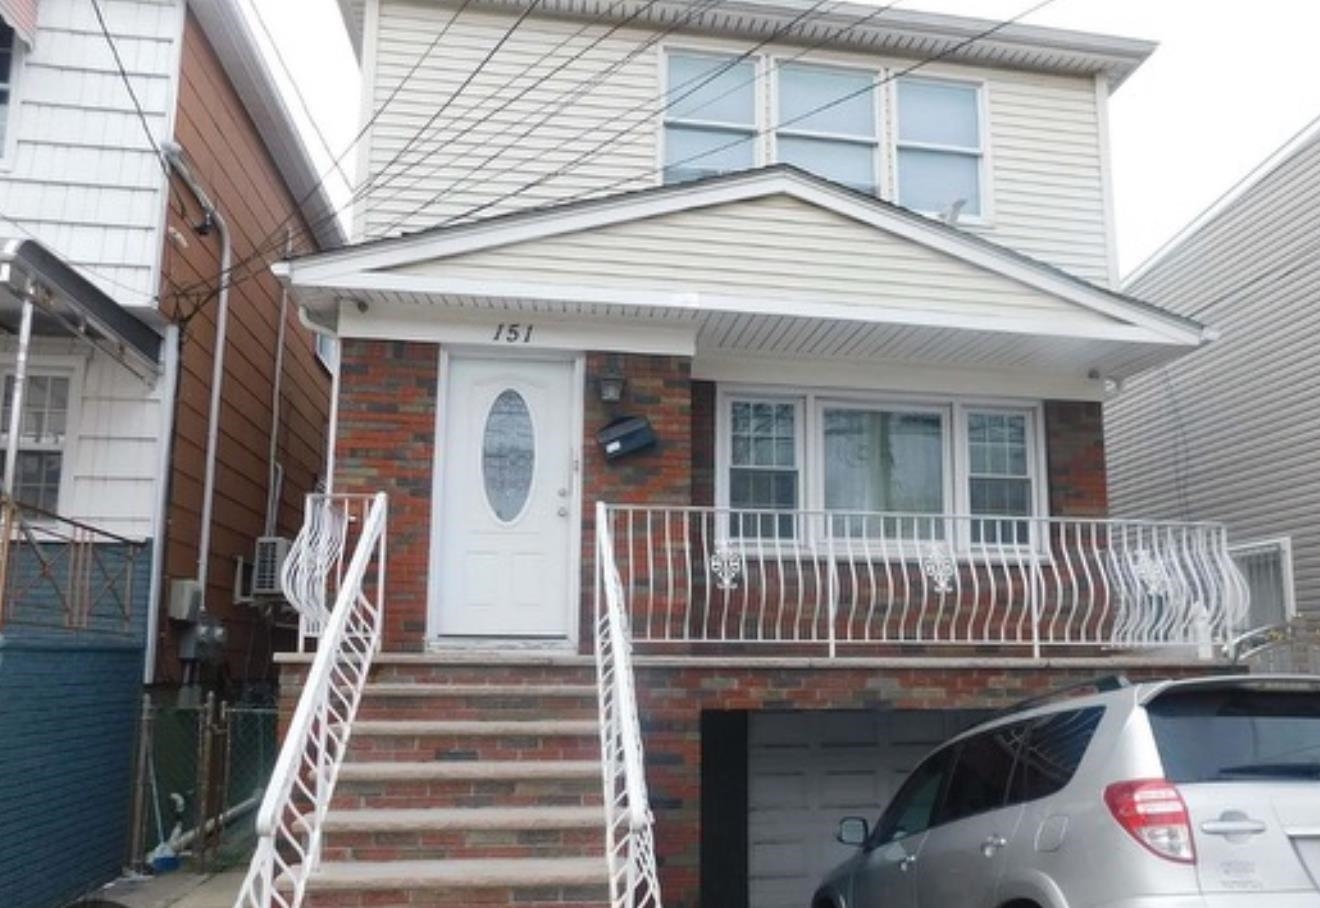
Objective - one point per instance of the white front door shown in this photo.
(508, 485)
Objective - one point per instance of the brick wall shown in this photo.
(1075, 449)
(386, 443)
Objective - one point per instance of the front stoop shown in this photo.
(480, 790)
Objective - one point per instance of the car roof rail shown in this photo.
(1101, 685)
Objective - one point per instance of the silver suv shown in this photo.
(1174, 794)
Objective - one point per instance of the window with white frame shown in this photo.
(828, 123)
(7, 66)
(939, 146)
(710, 116)
(871, 457)
(41, 435)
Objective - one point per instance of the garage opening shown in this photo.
(775, 784)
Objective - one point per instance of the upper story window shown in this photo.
(41, 436)
(939, 146)
(827, 124)
(710, 116)
(6, 82)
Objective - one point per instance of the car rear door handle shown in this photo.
(1233, 827)
(992, 844)
(906, 863)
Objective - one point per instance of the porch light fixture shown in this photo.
(611, 385)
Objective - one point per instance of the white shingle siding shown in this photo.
(1044, 136)
(81, 176)
(1233, 432)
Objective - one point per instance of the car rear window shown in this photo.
(1232, 734)
(1054, 749)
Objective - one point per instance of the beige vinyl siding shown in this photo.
(1043, 142)
(1233, 432)
(794, 251)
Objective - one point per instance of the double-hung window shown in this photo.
(881, 469)
(939, 146)
(999, 475)
(827, 123)
(710, 116)
(8, 50)
(41, 436)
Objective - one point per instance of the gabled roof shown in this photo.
(855, 26)
(368, 262)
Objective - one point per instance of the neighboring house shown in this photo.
(655, 314)
(1229, 434)
(108, 314)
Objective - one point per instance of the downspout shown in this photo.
(16, 404)
(174, 156)
(334, 397)
(169, 400)
(272, 468)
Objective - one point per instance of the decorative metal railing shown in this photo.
(62, 575)
(315, 565)
(629, 839)
(292, 812)
(811, 580)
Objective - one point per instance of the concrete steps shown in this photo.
(468, 784)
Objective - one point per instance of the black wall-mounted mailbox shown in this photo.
(626, 435)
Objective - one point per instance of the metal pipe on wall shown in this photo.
(174, 156)
(16, 402)
(272, 469)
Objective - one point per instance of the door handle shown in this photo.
(992, 844)
(1233, 827)
(906, 863)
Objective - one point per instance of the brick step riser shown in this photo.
(352, 795)
(441, 673)
(463, 844)
(365, 748)
(436, 707)
(522, 897)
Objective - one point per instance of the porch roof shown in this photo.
(65, 304)
(769, 262)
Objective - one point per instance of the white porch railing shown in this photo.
(811, 580)
(629, 841)
(289, 821)
(314, 568)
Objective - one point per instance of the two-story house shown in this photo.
(733, 376)
(157, 419)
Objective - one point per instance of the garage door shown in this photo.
(808, 769)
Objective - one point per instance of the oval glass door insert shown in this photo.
(508, 455)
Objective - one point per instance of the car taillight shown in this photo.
(1153, 813)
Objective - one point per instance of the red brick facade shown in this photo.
(1075, 446)
(386, 443)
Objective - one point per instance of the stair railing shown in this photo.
(629, 837)
(292, 812)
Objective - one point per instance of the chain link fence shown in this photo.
(201, 773)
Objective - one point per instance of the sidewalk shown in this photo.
(177, 890)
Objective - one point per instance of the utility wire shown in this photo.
(298, 209)
(297, 92)
(907, 70)
(267, 245)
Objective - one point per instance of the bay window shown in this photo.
(710, 116)
(939, 146)
(878, 467)
(827, 124)
(41, 435)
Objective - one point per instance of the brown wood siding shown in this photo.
(232, 163)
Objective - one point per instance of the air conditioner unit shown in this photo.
(267, 565)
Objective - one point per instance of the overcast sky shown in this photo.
(1228, 85)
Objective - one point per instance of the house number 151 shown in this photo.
(514, 333)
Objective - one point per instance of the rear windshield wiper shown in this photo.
(1275, 770)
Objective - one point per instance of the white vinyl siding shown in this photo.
(802, 253)
(1232, 432)
(73, 116)
(594, 125)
